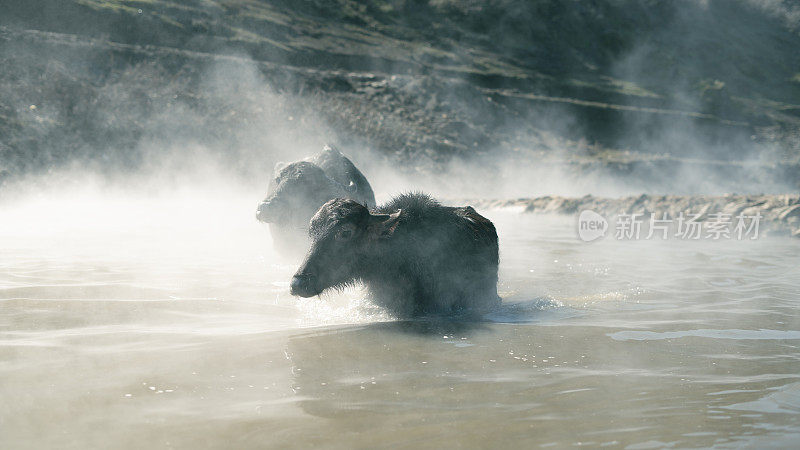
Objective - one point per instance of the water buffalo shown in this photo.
(415, 256)
(297, 190)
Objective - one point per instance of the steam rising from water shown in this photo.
(191, 243)
(184, 190)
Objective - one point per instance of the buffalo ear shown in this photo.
(382, 226)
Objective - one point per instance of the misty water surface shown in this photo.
(164, 320)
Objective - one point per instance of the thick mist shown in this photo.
(113, 142)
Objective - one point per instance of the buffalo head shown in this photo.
(347, 240)
(296, 192)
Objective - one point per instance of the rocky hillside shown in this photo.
(634, 88)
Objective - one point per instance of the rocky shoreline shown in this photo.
(780, 214)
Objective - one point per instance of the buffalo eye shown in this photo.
(344, 234)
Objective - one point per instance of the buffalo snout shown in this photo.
(303, 285)
(265, 212)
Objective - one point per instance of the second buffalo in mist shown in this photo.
(297, 190)
(415, 256)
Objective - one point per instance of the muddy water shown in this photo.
(165, 322)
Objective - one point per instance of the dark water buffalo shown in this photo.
(415, 256)
(297, 190)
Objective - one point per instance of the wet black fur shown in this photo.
(438, 259)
